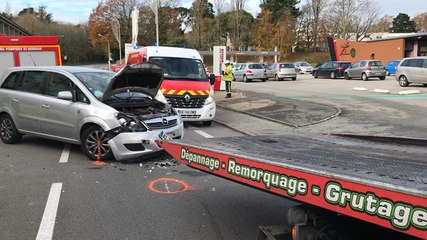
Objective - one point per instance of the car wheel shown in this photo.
(364, 77)
(207, 123)
(8, 132)
(403, 81)
(245, 79)
(264, 79)
(346, 76)
(294, 78)
(382, 78)
(333, 75)
(387, 73)
(315, 75)
(94, 144)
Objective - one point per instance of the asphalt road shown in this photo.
(116, 200)
(160, 199)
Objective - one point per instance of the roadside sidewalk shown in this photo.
(290, 112)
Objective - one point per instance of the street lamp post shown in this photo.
(109, 52)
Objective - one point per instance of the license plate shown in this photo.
(187, 112)
(378, 73)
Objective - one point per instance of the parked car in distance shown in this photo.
(280, 71)
(247, 72)
(332, 69)
(412, 70)
(303, 67)
(390, 67)
(365, 69)
(110, 115)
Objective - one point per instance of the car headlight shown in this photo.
(160, 97)
(130, 123)
(211, 97)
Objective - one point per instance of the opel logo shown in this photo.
(164, 121)
(187, 98)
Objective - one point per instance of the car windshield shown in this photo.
(304, 64)
(181, 68)
(96, 82)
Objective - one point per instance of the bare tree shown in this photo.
(317, 7)
(352, 18)
(421, 22)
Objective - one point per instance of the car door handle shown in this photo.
(45, 106)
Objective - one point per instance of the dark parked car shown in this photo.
(331, 69)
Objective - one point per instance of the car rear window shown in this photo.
(345, 64)
(256, 66)
(286, 65)
(376, 64)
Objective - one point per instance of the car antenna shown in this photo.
(32, 59)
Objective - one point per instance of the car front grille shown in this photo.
(162, 124)
(183, 102)
(190, 116)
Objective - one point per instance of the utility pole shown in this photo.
(109, 52)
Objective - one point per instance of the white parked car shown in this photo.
(109, 115)
(303, 67)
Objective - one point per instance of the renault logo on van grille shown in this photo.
(183, 92)
(187, 98)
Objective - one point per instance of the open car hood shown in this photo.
(145, 77)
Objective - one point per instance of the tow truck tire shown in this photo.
(8, 132)
(89, 144)
(207, 123)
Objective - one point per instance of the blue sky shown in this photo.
(77, 11)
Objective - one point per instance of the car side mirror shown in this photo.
(65, 95)
(212, 79)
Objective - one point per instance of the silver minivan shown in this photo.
(365, 69)
(109, 115)
(412, 70)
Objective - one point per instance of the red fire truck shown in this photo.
(378, 182)
(29, 51)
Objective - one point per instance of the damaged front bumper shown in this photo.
(127, 145)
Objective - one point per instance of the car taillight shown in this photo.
(278, 68)
(368, 68)
(248, 71)
(339, 68)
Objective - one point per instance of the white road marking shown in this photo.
(206, 135)
(65, 154)
(49, 215)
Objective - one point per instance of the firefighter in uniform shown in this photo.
(228, 78)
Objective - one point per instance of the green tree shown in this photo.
(403, 24)
(279, 7)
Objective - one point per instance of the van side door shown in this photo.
(25, 102)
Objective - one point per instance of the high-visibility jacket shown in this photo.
(228, 73)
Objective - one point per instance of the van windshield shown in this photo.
(181, 68)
